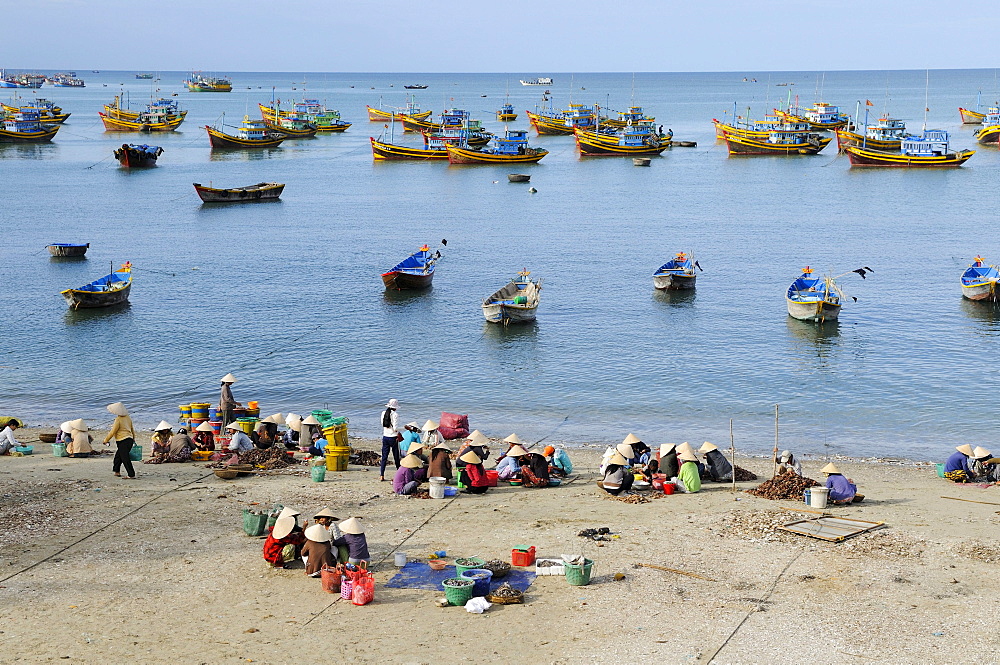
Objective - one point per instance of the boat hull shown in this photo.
(674, 282)
(378, 115)
(291, 133)
(118, 124)
(63, 251)
(506, 117)
(816, 312)
(548, 126)
(388, 151)
(45, 134)
(265, 191)
(846, 139)
(742, 145)
(502, 306)
(342, 127)
(981, 291)
(403, 280)
(989, 134)
(971, 117)
(464, 156)
(414, 124)
(225, 141)
(132, 158)
(862, 157)
(591, 144)
(93, 299)
(507, 314)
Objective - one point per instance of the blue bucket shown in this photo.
(482, 579)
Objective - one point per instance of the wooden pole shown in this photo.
(955, 498)
(775, 455)
(732, 451)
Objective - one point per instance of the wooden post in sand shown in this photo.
(732, 451)
(775, 455)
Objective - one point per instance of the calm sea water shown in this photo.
(288, 296)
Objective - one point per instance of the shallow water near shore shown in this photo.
(287, 295)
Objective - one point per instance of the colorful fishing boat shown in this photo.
(563, 122)
(49, 113)
(633, 116)
(515, 301)
(742, 126)
(292, 127)
(414, 272)
(815, 299)
(433, 148)
(506, 113)
(511, 149)
(676, 274)
(930, 149)
(458, 128)
(820, 115)
(251, 134)
(778, 142)
(411, 110)
(25, 81)
(112, 289)
(166, 108)
(66, 80)
(990, 131)
(144, 76)
(262, 191)
(970, 117)
(311, 111)
(24, 125)
(637, 140)
(199, 83)
(131, 155)
(979, 281)
(68, 249)
(886, 134)
(150, 120)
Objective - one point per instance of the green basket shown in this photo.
(458, 595)
(579, 575)
(461, 569)
(253, 522)
(318, 473)
(59, 450)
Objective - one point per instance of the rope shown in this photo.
(96, 163)
(398, 545)
(109, 524)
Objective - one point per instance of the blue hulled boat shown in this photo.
(112, 289)
(677, 273)
(812, 298)
(979, 281)
(414, 272)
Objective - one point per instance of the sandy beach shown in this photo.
(94, 569)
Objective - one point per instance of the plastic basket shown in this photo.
(579, 574)
(458, 595)
(522, 556)
(940, 470)
(461, 569)
(331, 578)
(346, 588)
(482, 578)
(136, 453)
(24, 450)
(318, 473)
(253, 522)
(59, 450)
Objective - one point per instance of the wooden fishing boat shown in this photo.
(514, 302)
(292, 128)
(150, 120)
(24, 125)
(511, 149)
(815, 299)
(48, 112)
(506, 113)
(262, 191)
(754, 128)
(634, 115)
(778, 142)
(415, 86)
(990, 130)
(411, 109)
(311, 111)
(820, 115)
(434, 148)
(931, 149)
(886, 134)
(563, 122)
(67, 249)
(970, 117)
(676, 274)
(458, 128)
(251, 134)
(979, 281)
(199, 83)
(131, 155)
(165, 108)
(112, 289)
(635, 140)
(414, 272)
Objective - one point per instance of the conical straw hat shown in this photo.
(228, 378)
(293, 418)
(631, 438)
(965, 449)
(830, 468)
(667, 448)
(685, 448)
(283, 526)
(79, 425)
(471, 458)
(275, 419)
(688, 457)
(352, 525)
(411, 462)
(516, 451)
(442, 446)
(205, 427)
(288, 512)
(625, 450)
(118, 409)
(416, 446)
(310, 420)
(234, 427)
(618, 459)
(980, 453)
(707, 447)
(66, 426)
(477, 438)
(513, 438)
(162, 426)
(326, 512)
(318, 533)
(429, 425)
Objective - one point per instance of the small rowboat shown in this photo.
(262, 191)
(63, 249)
(677, 273)
(514, 302)
(112, 289)
(815, 299)
(979, 281)
(414, 272)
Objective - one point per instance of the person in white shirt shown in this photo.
(7, 440)
(390, 436)
(787, 462)
(240, 444)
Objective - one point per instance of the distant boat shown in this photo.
(199, 83)
(414, 272)
(131, 155)
(506, 113)
(251, 134)
(144, 76)
(112, 289)
(676, 274)
(537, 81)
(815, 299)
(970, 117)
(820, 115)
(66, 249)
(979, 281)
(990, 131)
(262, 191)
(415, 87)
(511, 149)
(515, 301)
(930, 149)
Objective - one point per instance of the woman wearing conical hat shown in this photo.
(473, 474)
(354, 539)
(718, 467)
(666, 462)
(956, 467)
(204, 437)
(439, 465)
(535, 470)
(226, 400)
(123, 432)
(842, 490)
(405, 480)
(476, 443)
(161, 438)
(316, 551)
(284, 539)
(689, 477)
(509, 466)
(982, 469)
(617, 478)
(79, 445)
(431, 435)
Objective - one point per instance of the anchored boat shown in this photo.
(159, 116)
(639, 139)
(930, 149)
(677, 273)
(970, 117)
(311, 111)
(25, 125)
(131, 155)
(990, 131)
(820, 115)
(167, 109)
(812, 298)
(414, 272)
(511, 149)
(633, 116)
(251, 134)
(538, 81)
(112, 289)
(563, 122)
(411, 110)
(48, 112)
(514, 302)
(777, 142)
(67, 249)
(262, 191)
(979, 281)
(886, 134)
(199, 83)
(506, 113)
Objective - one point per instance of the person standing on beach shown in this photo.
(123, 432)
(390, 436)
(226, 400)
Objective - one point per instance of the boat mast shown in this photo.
(927, 85)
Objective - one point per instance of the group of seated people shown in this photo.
(323, 544)
(968, 465)
(673, 463)
(428, 456)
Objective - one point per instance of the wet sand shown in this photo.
(100, 570)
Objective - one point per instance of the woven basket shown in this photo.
(499, 570)
(226, 474)
(459, 595)
(506, 600)
(47, 438)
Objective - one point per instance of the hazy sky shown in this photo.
(516, 36)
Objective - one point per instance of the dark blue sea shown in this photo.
(287, 295)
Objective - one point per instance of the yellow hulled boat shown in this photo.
(24, 125)
(886, 134)
(778, 142)
(990, 131)
(930, 149)
(819, 116)
(511, 149)
(148, 121)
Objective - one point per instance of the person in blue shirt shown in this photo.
(412, 442)
(842, 490)
(956, 467)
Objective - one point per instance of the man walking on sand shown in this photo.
(390, 436)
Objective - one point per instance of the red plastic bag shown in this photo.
(453, 426)
(330, 578)
(364, 590)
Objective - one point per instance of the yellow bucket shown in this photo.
(336, 457)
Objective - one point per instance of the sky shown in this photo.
(533, 37)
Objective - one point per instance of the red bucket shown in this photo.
(668, 488)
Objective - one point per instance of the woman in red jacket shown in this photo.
(473, 475)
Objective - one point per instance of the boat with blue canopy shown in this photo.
(979, 281)
(633, 116)
(563, 122)
(812, 298)
(514, 302)
(886, 134)
(820, 116)
(635, 140)
(512, 148)
(990, 131)
(25, 125)
(931, 149)
(112, 289)
(132, 155)
(506, 113)
(677, 273)
(415, 271)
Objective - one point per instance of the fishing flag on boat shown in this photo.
(126, 267)
(868, 102)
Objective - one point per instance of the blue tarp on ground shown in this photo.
(420, 576)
